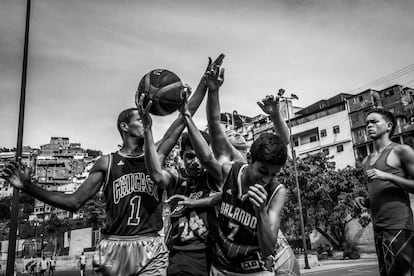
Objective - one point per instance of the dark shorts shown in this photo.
(82, 267)
(395, 251)
(189, 263)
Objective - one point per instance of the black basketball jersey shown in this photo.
(133, 201)
(190, 227)
(236, 244)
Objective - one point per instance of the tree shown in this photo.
(94, 213)
(327, 197)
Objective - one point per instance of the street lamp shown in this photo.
(302, 224)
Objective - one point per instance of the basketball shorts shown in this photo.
(285, 262)
(395, 250)
(217, 272)
(132, 255)
(189, 263)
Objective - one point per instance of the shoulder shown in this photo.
(401, 149)
(101, 164)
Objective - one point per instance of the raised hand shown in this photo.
(17, 174)
(270, 105)
(144, 111)
(214, 75)
(185, 94)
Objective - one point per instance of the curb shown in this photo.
(325, 266)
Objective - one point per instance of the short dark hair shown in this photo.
(269, 148)
(125, 117)
(388, 116)
(186, 142)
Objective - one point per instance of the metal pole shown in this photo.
(302, 224)
(11, 251)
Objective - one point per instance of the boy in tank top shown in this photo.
(389, 171)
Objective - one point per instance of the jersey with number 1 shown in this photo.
(133, 200)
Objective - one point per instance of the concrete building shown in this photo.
(324, 127)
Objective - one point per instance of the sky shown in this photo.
(86, 57)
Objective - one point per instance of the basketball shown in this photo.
(165, 90)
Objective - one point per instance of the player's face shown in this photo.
(135, 127)
(191, 163)
(377, 126)
(263, 173)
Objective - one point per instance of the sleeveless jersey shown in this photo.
(390, 205)
(190, 227)
(133, 201)
(236, 244)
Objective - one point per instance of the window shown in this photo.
(323, 132)
(336, 129)
(296, 142)
(325, 151)
(339, 148)
(313, 138)
(361, 99)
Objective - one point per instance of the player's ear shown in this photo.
(389, 125)
(124, 126)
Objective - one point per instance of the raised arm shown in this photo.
(170, 138)
(271, 106)
(20, 177)
(223, 150)
(201, 147)
(162, 178)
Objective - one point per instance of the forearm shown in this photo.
(56, 199)
(152, 163)
(281, 128)
(213, 112)
(267, 235)
(173, 133)
(207, 201)
(200, 145)
(403, 183)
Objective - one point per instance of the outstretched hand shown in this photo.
(143, 111)
(180, 199)
(17, 174)
(214, 75)
(270, 105)
(184, 110)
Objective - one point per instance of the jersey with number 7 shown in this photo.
(133, 201)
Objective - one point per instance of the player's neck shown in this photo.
(132, 146)
(131, 151)
(380, 144)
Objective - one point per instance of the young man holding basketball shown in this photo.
(389, 171)
(245, 240)
(131, 244)
(188, 238)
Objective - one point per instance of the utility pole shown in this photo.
(302, 224)
(11, 251)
